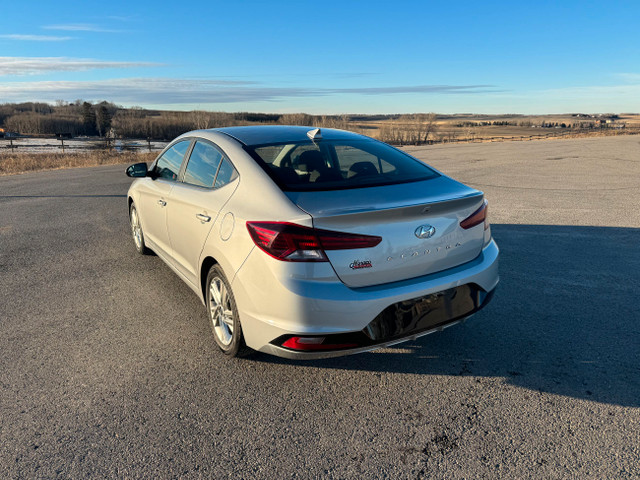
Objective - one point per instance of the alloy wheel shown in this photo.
(221, 311)
(136, 229)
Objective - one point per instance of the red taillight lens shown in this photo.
(476, 218)
(314, 343)
(296, 243)
(286, 241)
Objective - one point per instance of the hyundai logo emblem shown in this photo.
(425, 231)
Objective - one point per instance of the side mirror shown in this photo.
(137, 170)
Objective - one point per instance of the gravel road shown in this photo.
(108, 367)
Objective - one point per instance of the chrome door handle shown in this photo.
(202, 218)
(162, 203)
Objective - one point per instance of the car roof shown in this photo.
(262, 134)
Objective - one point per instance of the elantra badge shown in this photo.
(425, 231)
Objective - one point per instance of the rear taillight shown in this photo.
(296, 243)
(476, 218)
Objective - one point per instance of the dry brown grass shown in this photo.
(12, 163)
(402, 129)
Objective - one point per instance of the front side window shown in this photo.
(338, 164)
(203, 165)
(168, 165)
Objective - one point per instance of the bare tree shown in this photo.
(201, 120)
(103, 120)
(296, 119)
(429, 126)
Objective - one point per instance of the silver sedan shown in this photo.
(308, 243)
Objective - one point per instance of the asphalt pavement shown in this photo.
(108, 367)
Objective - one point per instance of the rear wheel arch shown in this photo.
(207, 263)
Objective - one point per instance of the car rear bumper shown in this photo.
(274, 307)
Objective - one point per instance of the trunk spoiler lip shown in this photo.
(340, 211)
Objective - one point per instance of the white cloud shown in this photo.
(78, 27)
(34, 38)
(198, 93)
(141, 91)
(42, 65)
(418, 89)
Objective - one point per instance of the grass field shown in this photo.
(12, 163)
(461, 127)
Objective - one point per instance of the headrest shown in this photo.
(363, 168)
(311, 160)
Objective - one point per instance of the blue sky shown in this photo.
(326, 57)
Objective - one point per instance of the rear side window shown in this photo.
(338, 164)
(168, 165)
(203, 165)
(226, 174)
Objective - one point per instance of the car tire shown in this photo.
(223, 314)
(136, 230)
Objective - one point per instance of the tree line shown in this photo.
(109, 120)
(77, 118)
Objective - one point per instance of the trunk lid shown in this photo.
(398, 213)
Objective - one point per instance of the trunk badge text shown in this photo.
(426, 252)
(425, 231)
(356, 264)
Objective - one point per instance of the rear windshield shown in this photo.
(337, 164)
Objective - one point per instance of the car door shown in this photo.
(194, 204)
(154, 195)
